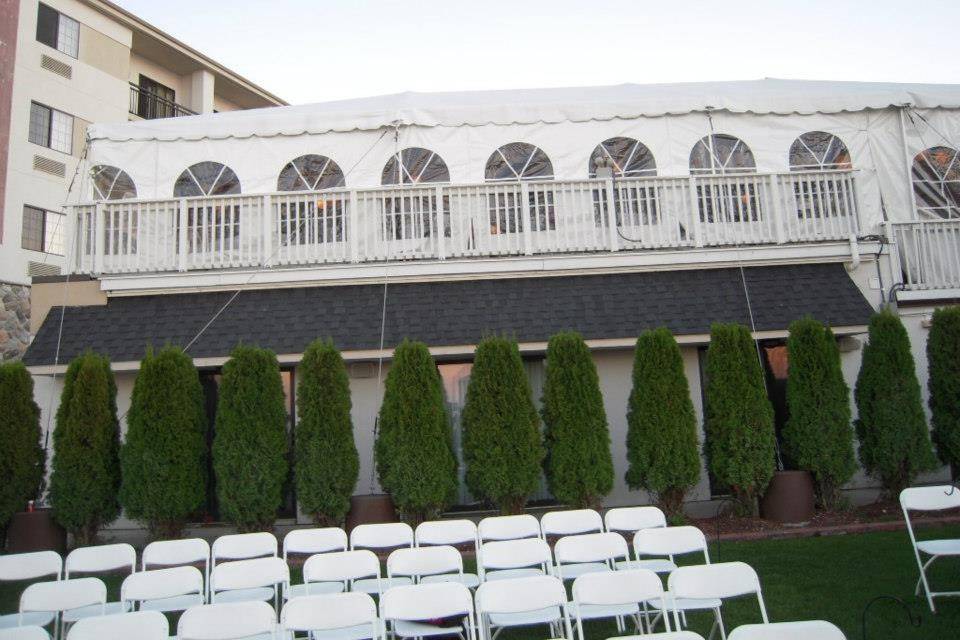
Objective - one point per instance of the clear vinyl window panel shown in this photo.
(415, 215)
(936, 182)
(310, 173)
(206, 179)
(820, 195)
(112, 183)
(635, 202)
(311, 222)
(723, 199)
(509, 165)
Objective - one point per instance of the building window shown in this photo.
(413, 215)
(816, 195)
(155, 100)
(311, 220)
(42, 230)
(629, 159)
(512, 163)
(936, 182)
(732, 199)
(111, 183)
(58, 31)
(51, 128)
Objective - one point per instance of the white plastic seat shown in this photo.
(668, 542)
(355, 570)
(332, 616)
(426, 565)
(60, 596)
(141, 625)
(31, 632)
(523, 602)
(104, 558)
(628, 520)
(508, 559)
(615, 594)
(378, 538)
(508, 528)
(243, 546)
(935, 498)
(228, 621)
(577, 555)
(164, 554)
(802, 630)
(171, 589)
(571, 522)
(17, 567)
(408, 608)
(721, 581)
(311, 542)
(669, 635)
(455, 533)
(257, 579)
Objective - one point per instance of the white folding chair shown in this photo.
(104, 558)
(409, 609)
(523, 602)
(508, 528)
(506, 559)
(139, 625)
(332, 616)
(60, 596)
(254, 580)
(379, 538)
(228, 621)
(930, 499)
(426, 565)
(24, 633)
(616, 594)
(588, 553)
(571, 522)
(163, 554)
(456, 533)
(628, 520)
(802, 630)
(353, 570)
(20, 567)
(172, 589)
(666, 543)
(311, 542)
(721, 581)
(243, 546)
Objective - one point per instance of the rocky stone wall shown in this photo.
(14, 320)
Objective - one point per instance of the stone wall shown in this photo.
(14, 320)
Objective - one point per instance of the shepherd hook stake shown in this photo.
(914, 620)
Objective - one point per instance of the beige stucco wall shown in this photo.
(180, 84)
(78, 293)
(103, 52)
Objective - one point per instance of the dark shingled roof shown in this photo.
(456, 313)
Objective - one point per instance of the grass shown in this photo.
(831, 578)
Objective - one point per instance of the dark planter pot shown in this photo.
(370, 510)
(35, 531)
(789, 498)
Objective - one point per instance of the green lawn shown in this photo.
(829, 578)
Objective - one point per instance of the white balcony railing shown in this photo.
(929, 253)
(456, 221)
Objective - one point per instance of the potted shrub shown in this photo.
(943, 358)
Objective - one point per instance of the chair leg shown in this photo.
(723, 632)
(926, 585)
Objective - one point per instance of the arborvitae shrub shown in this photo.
(22, 462)
(250, 446)
(85, 479)
(894, 441)
(741, 443)
(578, 465)
(943, 357)
(326, 457)
(818, 436)
(163, 457)
(502, 447)
(662, 447)
(414, 448)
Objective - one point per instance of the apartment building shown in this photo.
(63, 65)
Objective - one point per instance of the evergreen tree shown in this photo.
(579, 467)
(662, 447)
(327, 464)
(943, 358)
(86, 468)
(414, 448)
(894, 441)
(163, 458)
(740, 444)
(502, 447)
(250, 446)
(22, 462)
(818, 436)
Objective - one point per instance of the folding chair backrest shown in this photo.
(311, 541)
(100, 559)
(426, 602)
(617, 587)
(341, 566)
(142, 625)
(60, 595)
(632, 519)
(670, 541)
(514, 554)
(568, 523)
(590, 547)
(172, 553)
(155, 584)
(329, 611)
(452, 532)
(28, 566)
(720, 580)
(424, 561)
(520, 595)
(24, 633)
(226, 621)
(248, 574)
(805, 630)
(386, 535)
(244, 546)
(508, 528)
(930, 498)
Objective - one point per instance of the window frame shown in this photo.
(56, 44)
(49, 125)
(45, 231)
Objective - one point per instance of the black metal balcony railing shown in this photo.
(150, 106)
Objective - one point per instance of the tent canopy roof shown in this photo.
(528, 106)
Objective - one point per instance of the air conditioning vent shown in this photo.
(42, 269)
(47, 165)
(57, 67)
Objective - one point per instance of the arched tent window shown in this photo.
(213, 227)
(630, 158)
(936, 182)
(512, 163)
(206, 179)
(625, 158)
(728, 199)
(311, 220)
(819, 151)
(413, 215)
(817, 193)
(111, 183)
